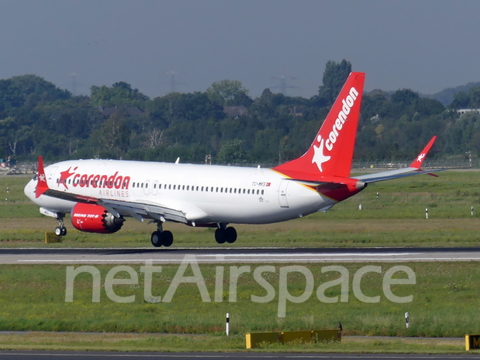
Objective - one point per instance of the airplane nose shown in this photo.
(29, 190)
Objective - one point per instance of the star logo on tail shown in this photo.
(318, 157)
(420, 157)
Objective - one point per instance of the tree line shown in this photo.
(223, 123)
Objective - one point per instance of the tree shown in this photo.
(465, 100)
(29, 91)
(232, 152)
(112, 139)
(334, 77)
(154, 139)
(229, 93)
(120, 94)
(460, 100)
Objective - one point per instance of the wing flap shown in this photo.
(142, 211)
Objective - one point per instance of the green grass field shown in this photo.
(395, 218)
(235, 343)
(444, 302)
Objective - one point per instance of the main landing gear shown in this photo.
(61, 230)
(160, 237)
(225, 234)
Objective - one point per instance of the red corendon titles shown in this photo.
(101, 181)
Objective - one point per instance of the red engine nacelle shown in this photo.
(95, 218)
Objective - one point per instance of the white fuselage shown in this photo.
(205, 194)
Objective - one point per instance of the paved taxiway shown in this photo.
(44, 355)
(234, 255)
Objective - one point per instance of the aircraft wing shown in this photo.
(413, 169)
(141, 211)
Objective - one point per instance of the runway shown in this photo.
(234, 255)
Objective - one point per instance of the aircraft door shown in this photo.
(282, 193)
(146, 189)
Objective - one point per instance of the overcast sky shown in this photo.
(422, 45)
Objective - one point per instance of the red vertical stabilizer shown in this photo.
(42, 185)
(331, 152)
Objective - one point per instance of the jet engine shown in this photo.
(95, 218)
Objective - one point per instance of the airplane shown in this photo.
(101, 194)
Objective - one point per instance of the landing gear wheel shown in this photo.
(230, 235)
(220, 236)
(58, 231)
(162, 238)
(167, 238)
(156, 238)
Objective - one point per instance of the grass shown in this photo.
(395, 218)
(155, 342)
(32, 297)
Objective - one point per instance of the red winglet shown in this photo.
(417, 163)
(42, 185)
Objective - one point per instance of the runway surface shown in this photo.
(44, 355)
(233, 255)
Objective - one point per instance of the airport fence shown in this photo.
(371, 165)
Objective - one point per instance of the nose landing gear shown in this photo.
(60, 230)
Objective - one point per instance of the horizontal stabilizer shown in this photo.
(413, 169)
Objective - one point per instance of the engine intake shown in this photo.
(95, 218)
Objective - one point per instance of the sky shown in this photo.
(425, 45)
